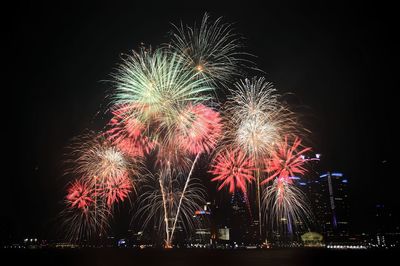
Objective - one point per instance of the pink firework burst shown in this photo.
(116, 189)
(286, 162)
(80, 195)
(233, 169)
(126, 132)
(198, 129)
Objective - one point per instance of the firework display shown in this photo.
(166, 119)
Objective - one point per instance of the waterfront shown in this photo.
(121, 257)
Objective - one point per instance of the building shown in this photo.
(202, 234)
(328, 195)
(387, 226)
(312, 239)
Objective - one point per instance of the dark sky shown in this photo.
(334, 57)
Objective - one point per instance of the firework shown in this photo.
(285, 203)
(211, 49)
(80, 195)
(103, 176)
(97, 161)
(255, 121)
(161, 88)
(167, 99)
(158, 203)
(158, 85)
(198, 129)
(255, 118)
(128, 133)
(116, 189)
(86, 215)
(160, 114)
(286, 161)
(285, 206)
(233, 169)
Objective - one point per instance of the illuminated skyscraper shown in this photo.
(203, 232)
(330, 204)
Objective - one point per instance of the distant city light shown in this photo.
(121, 242)
(201, 212)
(337, 174)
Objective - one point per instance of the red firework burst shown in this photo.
(80, 195)
(199, 129)
(286, 162)
(116, 189)
(234, 169)
(126, 132)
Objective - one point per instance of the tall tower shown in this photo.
(331, 204)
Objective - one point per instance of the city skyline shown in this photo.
(65, 91)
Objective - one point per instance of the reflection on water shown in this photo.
(120, 257)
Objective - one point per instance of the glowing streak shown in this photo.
(167, 241)
(183, 194)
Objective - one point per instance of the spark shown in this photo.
(117, 189)
(199, 129)
(159, 199)
(210, 49)
(286, 161)
(128, 133)
(95, 160)
(233, 169)
(285, 206)
(256, 121)
(85, 216)
(103, 176)
(79, 195)
(158, 85)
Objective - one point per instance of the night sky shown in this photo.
(334, 58)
